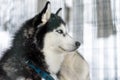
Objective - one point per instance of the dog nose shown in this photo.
(77, 43)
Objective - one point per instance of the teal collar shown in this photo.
(40, 72)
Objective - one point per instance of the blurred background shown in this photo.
(95, 23)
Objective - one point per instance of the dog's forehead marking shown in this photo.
(62, 27)
(55, 22)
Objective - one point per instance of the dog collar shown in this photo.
(40, 72)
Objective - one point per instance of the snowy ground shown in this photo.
(5, 41)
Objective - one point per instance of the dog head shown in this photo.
(51, 32)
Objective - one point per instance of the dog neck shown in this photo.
(54, 60)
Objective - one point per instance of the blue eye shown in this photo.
(60, 31)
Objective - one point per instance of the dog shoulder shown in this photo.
(74, 67)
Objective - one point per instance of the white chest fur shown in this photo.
(54, 61)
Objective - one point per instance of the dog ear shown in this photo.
(46, 13)
(58, 11)
(44, 16)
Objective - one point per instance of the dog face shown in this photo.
(58, 39)
(51, 32)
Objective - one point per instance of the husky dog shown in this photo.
(38, 48)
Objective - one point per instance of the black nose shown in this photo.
(77, 44)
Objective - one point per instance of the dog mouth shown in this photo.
(68, 50)
(62, 48)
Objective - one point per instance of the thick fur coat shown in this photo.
(45, 42)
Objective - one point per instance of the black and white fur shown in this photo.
(43, 40)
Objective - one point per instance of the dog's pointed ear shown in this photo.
(58, 12)
(44, 16)
(46, 12)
